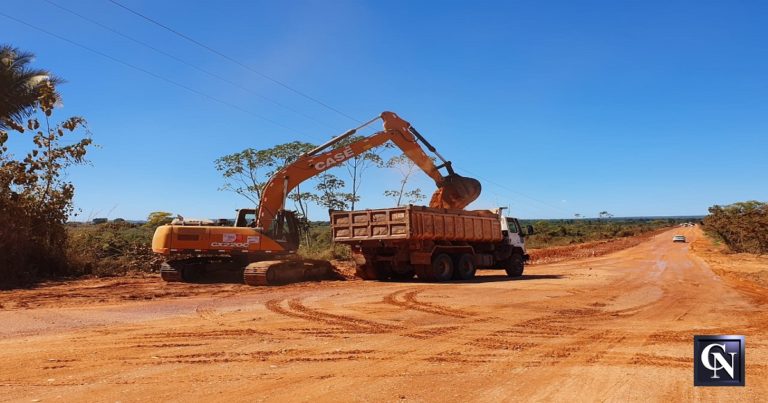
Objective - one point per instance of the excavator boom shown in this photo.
(265, 249)
(454, 191)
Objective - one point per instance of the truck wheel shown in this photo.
(514, 265)
(464, 268)
(441, 269)
(374, 271)
(383, 270)
(364, 273)
(403, 273)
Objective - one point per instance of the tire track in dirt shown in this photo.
(168, 337)
(296, 309)
(538, 340)
(278, 355)
(344, 324)
(409, 301)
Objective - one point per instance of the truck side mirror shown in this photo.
(529, 229)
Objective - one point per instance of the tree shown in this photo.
(241, 171)
(742, 226)
(604, 214)
(358, 164)
(406, 167)
(284, 154)
(35, 200)
(247, 172)
(158, 218)
(329, 194)
(20, 86)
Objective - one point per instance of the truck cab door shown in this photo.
(514, 233)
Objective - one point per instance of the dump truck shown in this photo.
(435, 244)
(263, 241)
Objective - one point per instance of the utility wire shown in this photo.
(212, 50)
(150, 73)
(515, 192)
(233, 60)
(188, 64)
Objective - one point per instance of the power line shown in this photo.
(233, 60)
(514, 191)
(212, 50)
(186, 63)
(150, 73)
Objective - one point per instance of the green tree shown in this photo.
(329, 192)
(284, 154)
(35, 200)
(158, 218)
(243, 172)
(247, 172)
(20, 86)
(359, 164)
(742, 226)
(405, 167)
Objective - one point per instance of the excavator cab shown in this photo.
(285, 230)
(246, 217)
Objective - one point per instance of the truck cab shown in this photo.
(514, 233)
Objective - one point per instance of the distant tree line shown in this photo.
(742, 226)
(566, 232)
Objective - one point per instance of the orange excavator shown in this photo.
(263, 241)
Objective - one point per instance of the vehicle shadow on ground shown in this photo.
(220, 277)
(488, 279)
(503, 277)
(236, 277)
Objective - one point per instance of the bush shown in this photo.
(316, 244)
(110, 249)
(742, 226)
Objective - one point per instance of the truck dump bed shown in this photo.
(415, 223)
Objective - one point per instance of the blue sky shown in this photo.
(558, 107)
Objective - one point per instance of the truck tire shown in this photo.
(441, 269)
(464, 267)
(514, 265)
(374, 271)
(403, 273)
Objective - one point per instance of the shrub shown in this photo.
(112, 249)
(742, 226)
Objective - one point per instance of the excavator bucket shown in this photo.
(456, 192)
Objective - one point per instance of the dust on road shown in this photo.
(615, 327)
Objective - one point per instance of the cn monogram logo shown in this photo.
(718, 361)
(717, 358)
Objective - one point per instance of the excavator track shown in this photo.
(276, 272)
(256, 274)
(170, 274)
(195, 269)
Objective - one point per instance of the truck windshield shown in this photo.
(512, 224)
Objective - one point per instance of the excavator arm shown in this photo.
(454, 191)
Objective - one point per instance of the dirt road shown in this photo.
(616, 327)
